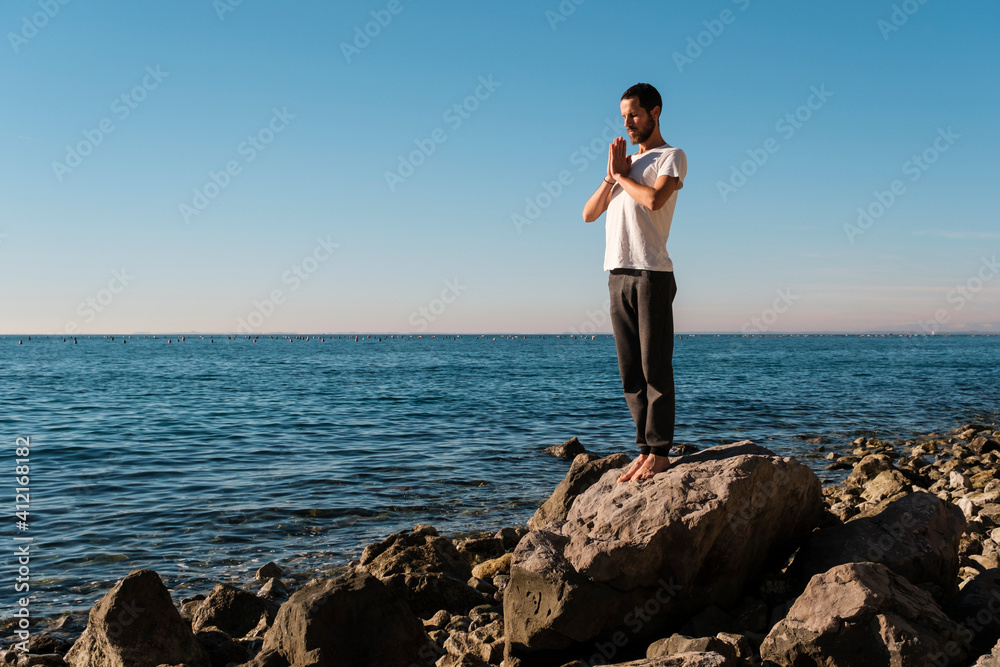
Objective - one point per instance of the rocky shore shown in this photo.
(734, 556)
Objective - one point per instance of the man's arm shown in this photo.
(651, 197)
(599, 201)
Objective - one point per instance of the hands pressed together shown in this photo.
(619, 164)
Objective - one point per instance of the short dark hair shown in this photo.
(649, 97)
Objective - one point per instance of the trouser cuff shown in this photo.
(661, 450)
(644, 449)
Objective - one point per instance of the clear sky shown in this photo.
(416, 167)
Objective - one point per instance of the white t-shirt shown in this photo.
(637, 236)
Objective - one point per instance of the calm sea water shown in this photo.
(205, 458)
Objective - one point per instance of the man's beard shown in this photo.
(643, 133)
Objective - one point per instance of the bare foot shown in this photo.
(636, 465)
(652, 466)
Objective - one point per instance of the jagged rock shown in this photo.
(868, 468)
(510, 536)
(438, 620)
(485, 643)
(136, 624)
(268, 570)
(862, 614)
(981, 479)
(236, 612)
(274, 589)
(680, 644)
(887, 484)
(982, 444)
(484, 615)
(424, 569)
(584, 472)
(568, 450)
(491, 568)
(916, 536)
(991, 660)
(708, 659)
(351, 620)
(959, 481)
(221, 648)
(483, 586)
(481, 549)
(660, 550)
(44, 643)
(468, 660)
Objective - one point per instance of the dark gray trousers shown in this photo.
(642, 319)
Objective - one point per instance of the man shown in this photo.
(639, 193)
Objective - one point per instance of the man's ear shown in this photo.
(655, 113)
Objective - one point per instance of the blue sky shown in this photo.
(200, 166)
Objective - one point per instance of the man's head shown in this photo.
(641, 105)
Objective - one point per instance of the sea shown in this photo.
(204, 457)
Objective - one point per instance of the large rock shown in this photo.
(862, 614)
(991, 660)
(583, 473)
(567, 450)
(633, 559)
(136, 624)
(424, 569)
(697, 659)
(977, 608)
(351, 620)
(916, 536)
(236, 612)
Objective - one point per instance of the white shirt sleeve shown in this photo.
(673, 163)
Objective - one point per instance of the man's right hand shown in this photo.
(619, 164)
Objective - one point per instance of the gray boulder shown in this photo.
(584, 472)
(136, 624)
(916, 536)
(567, 450)
(636, 559)
(862, 614)
(977, 608)
(351, 620)
(424, 569)
(236, 612)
